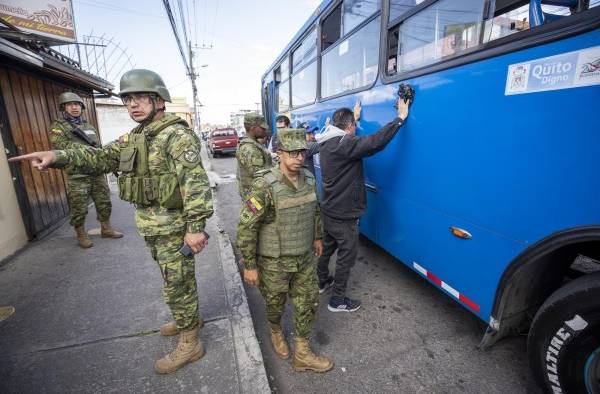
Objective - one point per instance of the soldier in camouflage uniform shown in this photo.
(279, 229)
(74, 132)
(251, 155)
(162, 175)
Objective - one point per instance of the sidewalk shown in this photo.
(88, 320)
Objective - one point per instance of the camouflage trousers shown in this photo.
(179, 276)
(79, 191)
(301, 286)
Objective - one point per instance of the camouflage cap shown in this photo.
(254, 119)
(291, 139)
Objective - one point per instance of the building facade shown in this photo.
(33, 203)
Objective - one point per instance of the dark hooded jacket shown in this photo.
(340, 157)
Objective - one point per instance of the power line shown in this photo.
(212, 40)
(195, 24)
(182, 18)
(177, 39)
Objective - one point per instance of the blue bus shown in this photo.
(491, 189)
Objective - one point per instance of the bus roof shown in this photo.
(315, 15)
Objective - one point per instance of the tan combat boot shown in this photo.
(84, 241)
(189, 349)
(306, 360)
(106, 231)
(280, 345)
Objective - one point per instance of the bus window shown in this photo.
(304, 71)
(506, 23)
(284, 70)
(352, 63)
(399, 7)
(282, 87)
(306, 52)
(304, 85)
(331, 28)
(514, 17)
(283, 96)
(445, 29)
(358, 11)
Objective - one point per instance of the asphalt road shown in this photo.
(407, 338)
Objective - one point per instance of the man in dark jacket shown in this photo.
(344, 196)
(313, 147)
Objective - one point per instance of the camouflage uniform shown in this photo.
(286, 267)
(80, 187)
(173, 170)
(251, 155)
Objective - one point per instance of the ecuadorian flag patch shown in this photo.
(253, 204)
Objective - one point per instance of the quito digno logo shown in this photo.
(50, 18)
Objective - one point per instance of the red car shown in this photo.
(222, 141)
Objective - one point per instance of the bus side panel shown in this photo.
(511, 170)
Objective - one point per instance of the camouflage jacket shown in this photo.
(258, 209)
(176, 145)
(62, 137)
(251, 157)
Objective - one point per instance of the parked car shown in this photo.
(222, 141)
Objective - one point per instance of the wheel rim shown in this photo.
(591, 372)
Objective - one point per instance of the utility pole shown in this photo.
(192, 74)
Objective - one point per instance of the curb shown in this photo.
(207, 166)
(251, 368)
(252, 375)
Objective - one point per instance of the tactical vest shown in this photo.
(85, 127)
(244, 176)
(136, 184)
(292, 233)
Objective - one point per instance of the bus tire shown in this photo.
(564, 339)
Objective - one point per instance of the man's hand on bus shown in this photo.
(357, 110)
(39, 160)
(402, 108)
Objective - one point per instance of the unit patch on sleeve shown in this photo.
(253, 204)
(191, 156)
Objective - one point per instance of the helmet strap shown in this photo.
(148, 119)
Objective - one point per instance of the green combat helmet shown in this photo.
(291, 139)
(254, 119)
(140, 80)
(69, 97)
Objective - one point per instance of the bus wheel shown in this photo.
(564, 340)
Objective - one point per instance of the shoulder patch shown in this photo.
(191, 156)
(56, 132)
(124, 139)
(253, 204)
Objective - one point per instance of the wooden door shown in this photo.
(31, 104)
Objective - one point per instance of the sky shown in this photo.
(246, 37)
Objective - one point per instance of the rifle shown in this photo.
(83, 136)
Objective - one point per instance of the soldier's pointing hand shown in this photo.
(39, 160)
